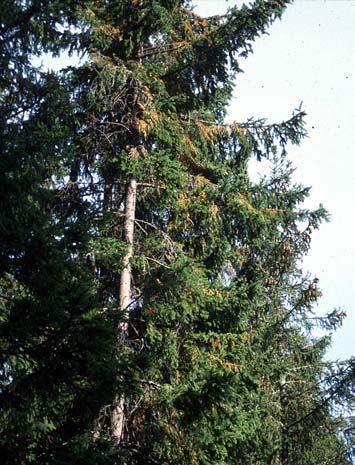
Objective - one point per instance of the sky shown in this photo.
(309, 57)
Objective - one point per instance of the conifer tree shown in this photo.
(209, 268)
(56, 365)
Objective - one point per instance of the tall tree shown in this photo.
(56, 365)
(209, 276)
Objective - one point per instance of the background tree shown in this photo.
(56, 364)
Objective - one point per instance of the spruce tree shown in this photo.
(208, 276)
(56, 364)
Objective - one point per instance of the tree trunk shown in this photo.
(283, 401)
(118, 416)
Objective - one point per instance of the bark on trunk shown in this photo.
(283, 401)
(118, 416)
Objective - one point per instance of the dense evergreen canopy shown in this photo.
(152, 305)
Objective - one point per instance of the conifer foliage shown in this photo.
(152, 305)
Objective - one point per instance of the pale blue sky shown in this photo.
(309, 56)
